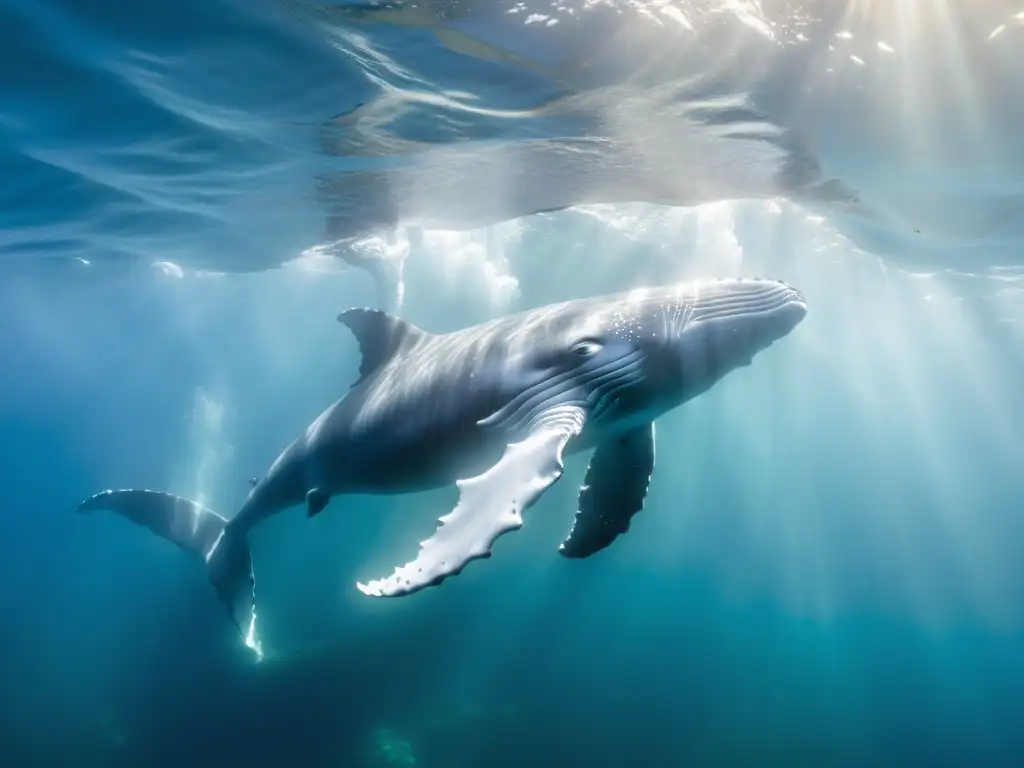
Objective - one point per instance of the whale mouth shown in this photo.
(753, 298)
(790, 312)
(735, 321)
(760, 310)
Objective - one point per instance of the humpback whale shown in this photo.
(492, 408)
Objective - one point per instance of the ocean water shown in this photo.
(828, 570)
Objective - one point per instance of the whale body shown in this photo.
(492, 408)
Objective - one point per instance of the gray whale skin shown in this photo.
(492, 408)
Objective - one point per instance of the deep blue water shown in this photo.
(828, 568)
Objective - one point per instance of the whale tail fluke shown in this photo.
(201, 531)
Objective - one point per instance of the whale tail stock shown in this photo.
(201, 531)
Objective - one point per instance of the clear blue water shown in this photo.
(828, 570)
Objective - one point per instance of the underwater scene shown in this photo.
(512, 383)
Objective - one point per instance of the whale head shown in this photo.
(705, 330)
(686, 337)
(629, 357)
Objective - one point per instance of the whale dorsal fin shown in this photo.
(379, 334)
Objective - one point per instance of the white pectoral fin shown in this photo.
(489, 505)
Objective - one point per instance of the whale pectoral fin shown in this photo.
(316, 501)
(613, 492)
(490, 505)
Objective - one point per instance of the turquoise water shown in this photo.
(827, 571)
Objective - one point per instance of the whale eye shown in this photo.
(586, 348)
